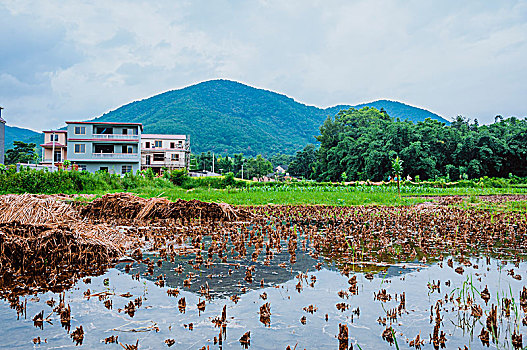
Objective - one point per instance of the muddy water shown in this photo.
(159, 318)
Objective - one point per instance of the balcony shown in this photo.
(115, 155)
(115, 137)
(165, 149)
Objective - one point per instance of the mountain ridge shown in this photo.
(226, 116)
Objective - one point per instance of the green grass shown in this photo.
(340, 196)
(509, 206)
(260, 196)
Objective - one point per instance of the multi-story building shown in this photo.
(54, 148)
(160, 151)
(112, 147)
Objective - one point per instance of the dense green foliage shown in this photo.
(362, 144)
(302, 164)
(395, 110)
(63, 181)
(228, 117)
(71, 181)
(246, 168)
(21, 153)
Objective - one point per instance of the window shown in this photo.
(175, 157)
(80, 130)
(80, 148)
(147, 144)
(82, 167)
(158, 144)
(103, 130)
(159, 157)
(58, 156)
(101, 148)
(172, 145)
(103, 169)
(127, 149)
(126, 169)
(54, 137)
(129, 131)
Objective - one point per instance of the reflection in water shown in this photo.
(314, 287)
(302, 302)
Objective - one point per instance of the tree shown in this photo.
(21, 153)
(280, 159)
(303, 162)
(225, 164)
(397, 166)
(257, 167)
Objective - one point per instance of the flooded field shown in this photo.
(273, 277)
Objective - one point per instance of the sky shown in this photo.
(76, 60)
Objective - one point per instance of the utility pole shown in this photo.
(53, 152)
(242, 169)
(2, 137)
(213, 158)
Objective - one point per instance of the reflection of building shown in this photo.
(160, 151)
(112, 147)
(54, 148)
(2, 137)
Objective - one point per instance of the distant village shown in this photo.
(117, 148)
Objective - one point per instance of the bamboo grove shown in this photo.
(361, 144)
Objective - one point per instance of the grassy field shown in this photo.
(341, 195)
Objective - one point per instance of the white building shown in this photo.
(160, 151)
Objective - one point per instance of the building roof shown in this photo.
(162, 136)
(106, 123)
(55, 131)
(50, 144)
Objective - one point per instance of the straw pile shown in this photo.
(38, 231)
(124, 208)
(35, 209)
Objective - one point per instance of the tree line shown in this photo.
(361, 145)
(240, 166)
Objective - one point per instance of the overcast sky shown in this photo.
(75, 60)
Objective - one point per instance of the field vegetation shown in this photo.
(178, 185)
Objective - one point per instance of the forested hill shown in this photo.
(13, 133)
(395, 110)
(229, 117)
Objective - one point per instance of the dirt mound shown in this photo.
(125, 208)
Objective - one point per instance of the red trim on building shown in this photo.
(50, 144)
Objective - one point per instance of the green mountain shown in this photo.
(395, 110)
(13, 133)
(225, 116)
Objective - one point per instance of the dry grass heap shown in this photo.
(37, 231)
(127, 209)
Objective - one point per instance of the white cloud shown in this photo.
(79, 59)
